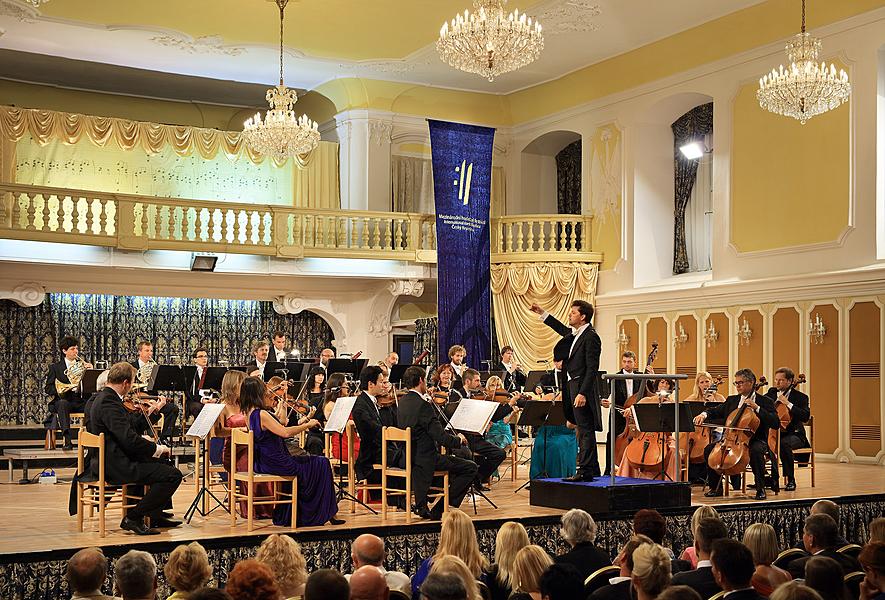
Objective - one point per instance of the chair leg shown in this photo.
(102, 511)
(514, 461)
(384, 496)
(294, 503)
(250, 507)
(446, 493)
(80, 507)
(232, 501)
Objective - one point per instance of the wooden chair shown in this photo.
(809, 433)
(211, 473)
(717, 595)
(250, 478)
(600, 577)
(91, 491)
(852, 550)
(852, 582)
(77, 419)
(788, 556)
(354, 487)
(393, 434)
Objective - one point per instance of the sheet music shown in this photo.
(204, 422)
(337, 421)
(473, 415)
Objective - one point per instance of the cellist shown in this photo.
(745, 383)
(793, 435)
(663, 387)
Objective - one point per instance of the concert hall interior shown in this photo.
(605, 255)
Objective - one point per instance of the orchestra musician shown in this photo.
(280, 351)
(390, 361)
(442, 380)
(194, 401)
(428, 435)
(580, 393)
(744, 382)
(367, 419)
(169, 410)
(621, 390)
(72, 400)
(514, 378)
(260, 351)
(326, 355)
(793, 436)
(663, 387)
(500, 433)
(131, 458)
(704, 391)
(457, 354)
(486, 455)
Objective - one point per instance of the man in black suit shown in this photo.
(579, 531)
(733, 568)
(368, 421)
(326, 355)
(280, 350)
(487, 456)
(800, 411)
(621, 390)
(427, 437)
(169, 410)
(819, 537)
(457, 354)
(620, 588)
(701, 578)
(260, 351)
(745, 383)
(514, 378)
(580, 394)
(72, 400)
(129, 457)
(194, 401)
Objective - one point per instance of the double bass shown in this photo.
(731, 454)
(623, 439)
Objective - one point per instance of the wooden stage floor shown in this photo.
(34, 518)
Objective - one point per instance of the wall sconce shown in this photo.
(817, 330)
(744, 333)
(711, 335)
(623, 339)
(681, 338)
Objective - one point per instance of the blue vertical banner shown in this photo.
(462, 179)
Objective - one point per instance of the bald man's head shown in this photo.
(87, 570)
(367, 583)
(367, 549)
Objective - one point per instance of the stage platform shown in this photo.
(602, 495)
(37, 535)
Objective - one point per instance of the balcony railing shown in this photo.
(132, 222)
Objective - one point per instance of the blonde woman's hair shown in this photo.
(188, 568)
(494, 382)
(651, 566)
(455, 566)
(230, 387)
(283, 555)
(704, 511)
(794, 590)
(761, 539)
(530, 564)
(457, 537)
(877, 530)
(696, 394)
(511, 538)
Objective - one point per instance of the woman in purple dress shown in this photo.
(316, 493)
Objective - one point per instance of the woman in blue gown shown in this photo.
(561, 454)
(316, 493)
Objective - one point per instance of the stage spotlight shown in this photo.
(203, 261)
(692, 150)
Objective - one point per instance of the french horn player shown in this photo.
(63, 387)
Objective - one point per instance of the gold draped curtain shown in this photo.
(554, 286)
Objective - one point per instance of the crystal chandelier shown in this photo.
(281, 135)
(744, 333)
(711, 335)
(489, 42)
(817, 330)
(804, 89)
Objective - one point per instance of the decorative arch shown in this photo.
(551, 167)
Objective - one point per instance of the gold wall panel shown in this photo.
(785, 339)
(656, 331)
(717, 354)
(864, 357)
(687, 354)
(750, 354)
(631, 328)
(823, 381)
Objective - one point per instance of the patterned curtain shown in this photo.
(426, 338)
(694, 124)
(109, 327)
(568, 188)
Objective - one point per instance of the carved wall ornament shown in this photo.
(570, 16)
(22, 11)
(206, 44)
(406, 287)
(380, 131)
(605, 173)
(26, 294)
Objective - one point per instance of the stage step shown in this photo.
(599, 496)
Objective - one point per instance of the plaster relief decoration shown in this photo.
(331, 312)
(289, 304)
(570, 16)
(26, 13)
(380, 132)
(605, 151)
(206, 44)
(379, 324)
(26, 294)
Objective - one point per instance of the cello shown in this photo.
(623, 438)
(731, 455)
(700, 437)
(783, 412)
(647, 450)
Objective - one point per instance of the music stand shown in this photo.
(539, 413)
(344, 365)
(199, 431)
(533, 380)
(270, 370)
(652, 417)
(214, 377)
(168, 378)
(243, 368)
(396, 373)
(293, 371)
(485, 375)
(88, 385)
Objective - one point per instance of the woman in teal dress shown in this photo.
(500, 432)
(560, 457)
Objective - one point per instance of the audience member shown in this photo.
(872, 558)
(457, 537)
(326, 584)
(704, 511)
(828, 507)
(253, 580)
(820, 537)
(85, 574)
(679, 592)
(651, 571)
(561, 581)
(579, 531)
(367, 583)
(619, 588)
(530, 564)
(824, 575)
(283, 557)
(135, 576)
(701, 579)
(187, 570)
(733, 569)
(368, 550)
(794, 590)
(652, 523)
(761, 539)
(443, 586)
(510, 539)
(877, 530)
(210, 593)
(454, 565)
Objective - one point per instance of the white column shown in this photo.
(364, 156)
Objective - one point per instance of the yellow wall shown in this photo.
(604, 160)
(780, 169)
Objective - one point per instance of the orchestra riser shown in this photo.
(37, 536)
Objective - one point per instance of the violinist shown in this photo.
(315, 388)
(169, 410)
(442, 386)
(705, 391)
(487, 456)
(793, 435)
(744, 382)
(500, 433)
(638, 461)
(514, 378)
(367, 419)
(337, 387)
(457, 354)
(131, 458)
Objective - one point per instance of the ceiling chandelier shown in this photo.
(489, 42)
(804, 89)
(281, 135)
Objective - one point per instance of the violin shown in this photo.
(731, 455)
(783, 413)
(136, 401)
(623, 438)
(390, 396)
